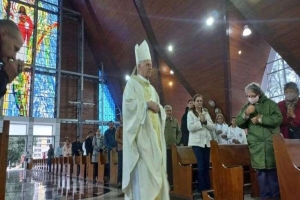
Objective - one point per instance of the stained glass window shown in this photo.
(278, 73)
(17, 99)
(107, 106)
(44, 96)
(46, 40)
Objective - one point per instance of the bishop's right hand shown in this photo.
(153, 106)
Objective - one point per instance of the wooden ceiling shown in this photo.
(204, 57)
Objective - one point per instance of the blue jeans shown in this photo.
(202, 156)
(268, 183)
(120, 164)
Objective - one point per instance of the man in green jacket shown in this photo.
(262, 117)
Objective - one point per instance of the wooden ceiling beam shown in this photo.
(154, 43)
(267, 34)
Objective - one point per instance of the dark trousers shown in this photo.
(169, 167)
(268, 183)
(107, 166)
(185, 138)
(95, 171)
(49, 164)
(202, 156)
(120, 164)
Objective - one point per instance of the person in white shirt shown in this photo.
(236, 135)
(221, 129)
(201, 129)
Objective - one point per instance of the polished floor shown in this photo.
(38, 185)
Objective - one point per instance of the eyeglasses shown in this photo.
(251, 96)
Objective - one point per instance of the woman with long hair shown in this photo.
(201, 130)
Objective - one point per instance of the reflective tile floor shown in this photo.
(38, 185)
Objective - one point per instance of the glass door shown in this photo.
(41, 146)
(16, 152)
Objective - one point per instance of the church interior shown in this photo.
(79, 55)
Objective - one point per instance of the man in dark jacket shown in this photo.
(10, 43)
(50, 155)
(89, 143)
(184, 129)
(76, 150)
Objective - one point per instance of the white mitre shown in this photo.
(142, 52)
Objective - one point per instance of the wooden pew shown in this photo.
(83, 166)
(102, 161)
(182, 160)
(4, 137)
(113, 180)
(90, 168)
(287, 154)
(61, 166)
(228, 172)
(76, 163)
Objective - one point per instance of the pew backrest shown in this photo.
(185, 155)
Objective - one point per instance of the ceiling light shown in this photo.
(240, 52)
(170, 48)
(127, 77)
(210, 21)
(170, 83)
(246, 31)
(171, 72)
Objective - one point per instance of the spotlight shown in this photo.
(247, 31)
(170, 83)
(171, 72)
(240, 52)
(210, 21)
(170, 48)
(127, 77)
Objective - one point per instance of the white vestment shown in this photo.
(224, 128)
(238, 134)
(144, 150)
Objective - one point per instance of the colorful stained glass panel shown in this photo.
(44, 96)
(16, 100)
(46, 40)
(23, 16)
(51, 5)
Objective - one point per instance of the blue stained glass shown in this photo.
(51, 5)
(44, 96)
(108, 109)
(3, 5)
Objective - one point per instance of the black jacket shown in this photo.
(184, 129)
(3, 83)
(75, 147)
(89, 145)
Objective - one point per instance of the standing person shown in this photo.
(290, 110)
(184, 129)
(221, 129)
(89, 143)
(201, 129)
(119, 139)
(144, 147)
(76, 151)
(172, 136)
(236, 135)
(262, 117)
(50, 155)
(10, 43)
(110, 144)
(98, 146)
(67, 150)
(59, 150)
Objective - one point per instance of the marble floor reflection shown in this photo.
(39, 185)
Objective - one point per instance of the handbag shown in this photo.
(294, 132)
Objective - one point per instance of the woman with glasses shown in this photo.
(290, 110)
(262, 117)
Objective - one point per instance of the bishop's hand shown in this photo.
(153, 106)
